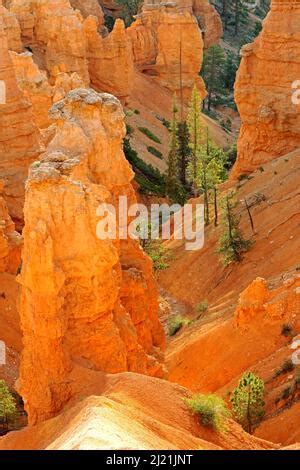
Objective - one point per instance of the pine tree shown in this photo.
(7, 404)
(196, 139)
(216, 173)
(247, 401)
(184, 150)
(232, 243)
(240, 13)
(172, 172)
(212, 73)
(129, 9)
(211, 173)
(230, 68)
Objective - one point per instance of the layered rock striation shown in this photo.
(167, 45)
(10, 240)
(19, 135)
(85, 302)
(264, 92)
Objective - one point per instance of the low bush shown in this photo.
(211, 410)
(149, 178)
(175, 324)
(202, 306)
(149, 134)
(155, 152)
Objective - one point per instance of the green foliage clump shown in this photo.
(211, 410)
(247, 401)
(175, 324)
(202, 306)
(8, 407)
(155, 152)
(129, 130)
(212, 73)
(232, 243)
(149, 134)
(157, 252)
(129, 9)
(230, 156)
(149, 178)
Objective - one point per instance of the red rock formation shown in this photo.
(35, 86)
(210, 22)
(260, 304)
(263, 90)
(54, 31)
(110, 59)
(19, 136)
(160, 36)
(10, 240)
(84, 301)
(11, 28)
(90, 7)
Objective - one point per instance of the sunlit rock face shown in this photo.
(168, 46)
(85, 302)
(264, 89)
(19, 135)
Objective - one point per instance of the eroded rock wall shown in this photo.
(263, 90)
(85, 302)
(168, 46)
(19, 135)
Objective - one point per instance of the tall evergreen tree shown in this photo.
(247, 400)
(184, 150)
(172, 172)
(232, 243)
(240, 12)
(212, 73)
(129, 9)
(196, 139)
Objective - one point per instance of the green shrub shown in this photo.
(149, 178)
(202, 306)
(166, 123)
(8, 407)
(149, 134)
(211, 410)
(157, 252)
(129, 130)
(175, 324)
(155, 152)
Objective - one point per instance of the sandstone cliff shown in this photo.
(19, 135)
(10, 240)
(263, 90)
(209, 20)
(11, 28)
(84, 301)
(110, 59)
(87, 8)
(54, 32)
(168, 46)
